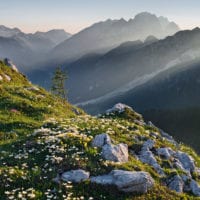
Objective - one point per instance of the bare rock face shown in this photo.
(126, 181)
(116, 153)
(101, 140)
(75, 176)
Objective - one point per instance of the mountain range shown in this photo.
(92, 48)
(129, 65)
(56, 47)
(15, 44)
(104, 36)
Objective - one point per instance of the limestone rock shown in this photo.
(148, 145)
(146, 156)
(119, 107)
(195, 188)
(126, 181)
(7, 77)
(75, 175)
(165, 152)
(186, 160)
(168, 137)
(33, 88)
(116, 153)
(9, 63)
(101, 140)
(176, 183)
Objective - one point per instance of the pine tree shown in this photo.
(58, 83)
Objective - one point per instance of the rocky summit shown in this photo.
(50, 149)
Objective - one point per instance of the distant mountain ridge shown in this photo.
(56, 47)
(112, 41)
(103, 36)
(8, 32)
(29, 48)
(128, 62)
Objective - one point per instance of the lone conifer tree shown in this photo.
(58, 83)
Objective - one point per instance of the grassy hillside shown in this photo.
(24, 107)
(43, 136)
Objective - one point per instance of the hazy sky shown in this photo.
(73, 15)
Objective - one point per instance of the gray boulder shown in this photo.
(165, 152)
(146, 156)
(75, 176)
(9, 63)
(186, 160)
(176, 183)
(126, 181)
(148, 145)
(8, 78)
(119, 107)
(168, 137)
(178, 165)
(116, 153)
(195, 189)
(101, 140)
(33, 88)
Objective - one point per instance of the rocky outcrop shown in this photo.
(164, 135)
(148, 145)
(101, 140)
(116, 153)
(186, 161)
(33, 88)
(126, 181)
(168, 137)
(75, 176)
(165, 152)
(140, 182)
(8, 78)
(119, 107)
(176, 183)
(9, 63)
(146, 156)
(195, 188)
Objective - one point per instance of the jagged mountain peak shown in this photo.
(144, 15)
(8, 32)
(103, 36)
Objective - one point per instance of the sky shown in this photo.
(74, 15)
